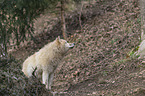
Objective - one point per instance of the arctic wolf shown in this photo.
(141, 50)
(46, 60)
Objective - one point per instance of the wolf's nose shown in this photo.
(73, 44)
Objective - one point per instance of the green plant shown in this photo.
(16, 20)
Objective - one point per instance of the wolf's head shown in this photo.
(63, 44)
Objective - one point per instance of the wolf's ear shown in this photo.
(58, 39)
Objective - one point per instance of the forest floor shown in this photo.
(101, 63)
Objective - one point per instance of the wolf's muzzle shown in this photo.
(72, 45)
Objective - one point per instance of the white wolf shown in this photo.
(46, 60)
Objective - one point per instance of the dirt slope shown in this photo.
(101, 63)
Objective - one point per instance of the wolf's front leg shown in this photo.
(45, 76)
(51, 80)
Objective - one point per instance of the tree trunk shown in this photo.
(142, 7)
(64, 33)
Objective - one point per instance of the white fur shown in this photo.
(46, 61)
(141, 50)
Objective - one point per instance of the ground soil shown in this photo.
(100, 64)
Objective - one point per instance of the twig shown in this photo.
(80, 14)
